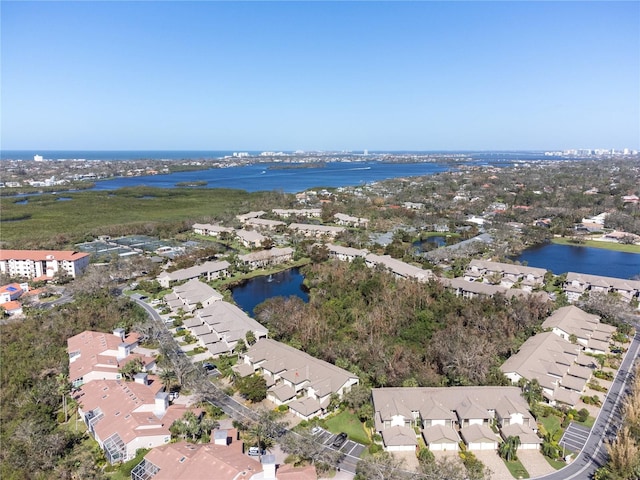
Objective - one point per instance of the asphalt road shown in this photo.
(594, 455)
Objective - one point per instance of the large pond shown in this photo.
(560, 259)
(259, 289)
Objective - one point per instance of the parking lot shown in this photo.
(352, 450)
(574, 437)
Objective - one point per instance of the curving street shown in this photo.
(594, 455)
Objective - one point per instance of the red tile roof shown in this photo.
(41, 255)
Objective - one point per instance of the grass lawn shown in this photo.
(517, 469)
(597, 244)
(550, 423)
(557, 464)
(588, 422)
(350, 424)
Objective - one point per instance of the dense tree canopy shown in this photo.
(391, 331)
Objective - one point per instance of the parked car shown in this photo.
(315, 430)
(255, 451)
(208, 366)
(339, 440)
(180, 329)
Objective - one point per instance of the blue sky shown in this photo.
(320, 75)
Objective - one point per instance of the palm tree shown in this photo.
(532, 392)
(64, 387)
(509, 448)
(168, 378)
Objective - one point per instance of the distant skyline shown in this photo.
(272, 76)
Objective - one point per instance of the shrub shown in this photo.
(583, 415)
(374, 448)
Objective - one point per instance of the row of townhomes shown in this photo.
(42, 264)
(122, 416)
(558, 358)
(218, 325)
(446, 416)
(208, 271)
(579, 284)
(399, 268)
(251, 237)
(223, 458)
(302, 382)
(505, 274)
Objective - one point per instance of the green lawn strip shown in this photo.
(349, 423)
(557, 464)
(587, 423)
(550, 423)
(618, 247)
(517, 469)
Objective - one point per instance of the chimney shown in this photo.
(269, 467)
(161, 404)
(123, 351)
(141, 378)
(220, 437)
(120, 333)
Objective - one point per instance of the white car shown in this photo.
(315, 430)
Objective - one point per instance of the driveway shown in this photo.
(492, 460)
(535, 463)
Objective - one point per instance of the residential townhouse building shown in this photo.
(467, 289)
(399, 268)
(124, 417)
(264, 224)
(222, 459)
(589, 332)
(265, 258)
(208, 271)
(221, 325)
(317, 231)
(446, 416)
(100, 356)
(345, 254)
(349, 221)
(191, 296)
(555, 363)
(300, 212)
(508, 275)
(42, 263)
(578, 284)
(250, 238)
(249, 215)
(212, 230)
(295, 378)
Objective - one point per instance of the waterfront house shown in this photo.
(265, 258)
(506, 274)
(208, 271)
(191, 295)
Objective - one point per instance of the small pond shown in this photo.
(259, 289)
